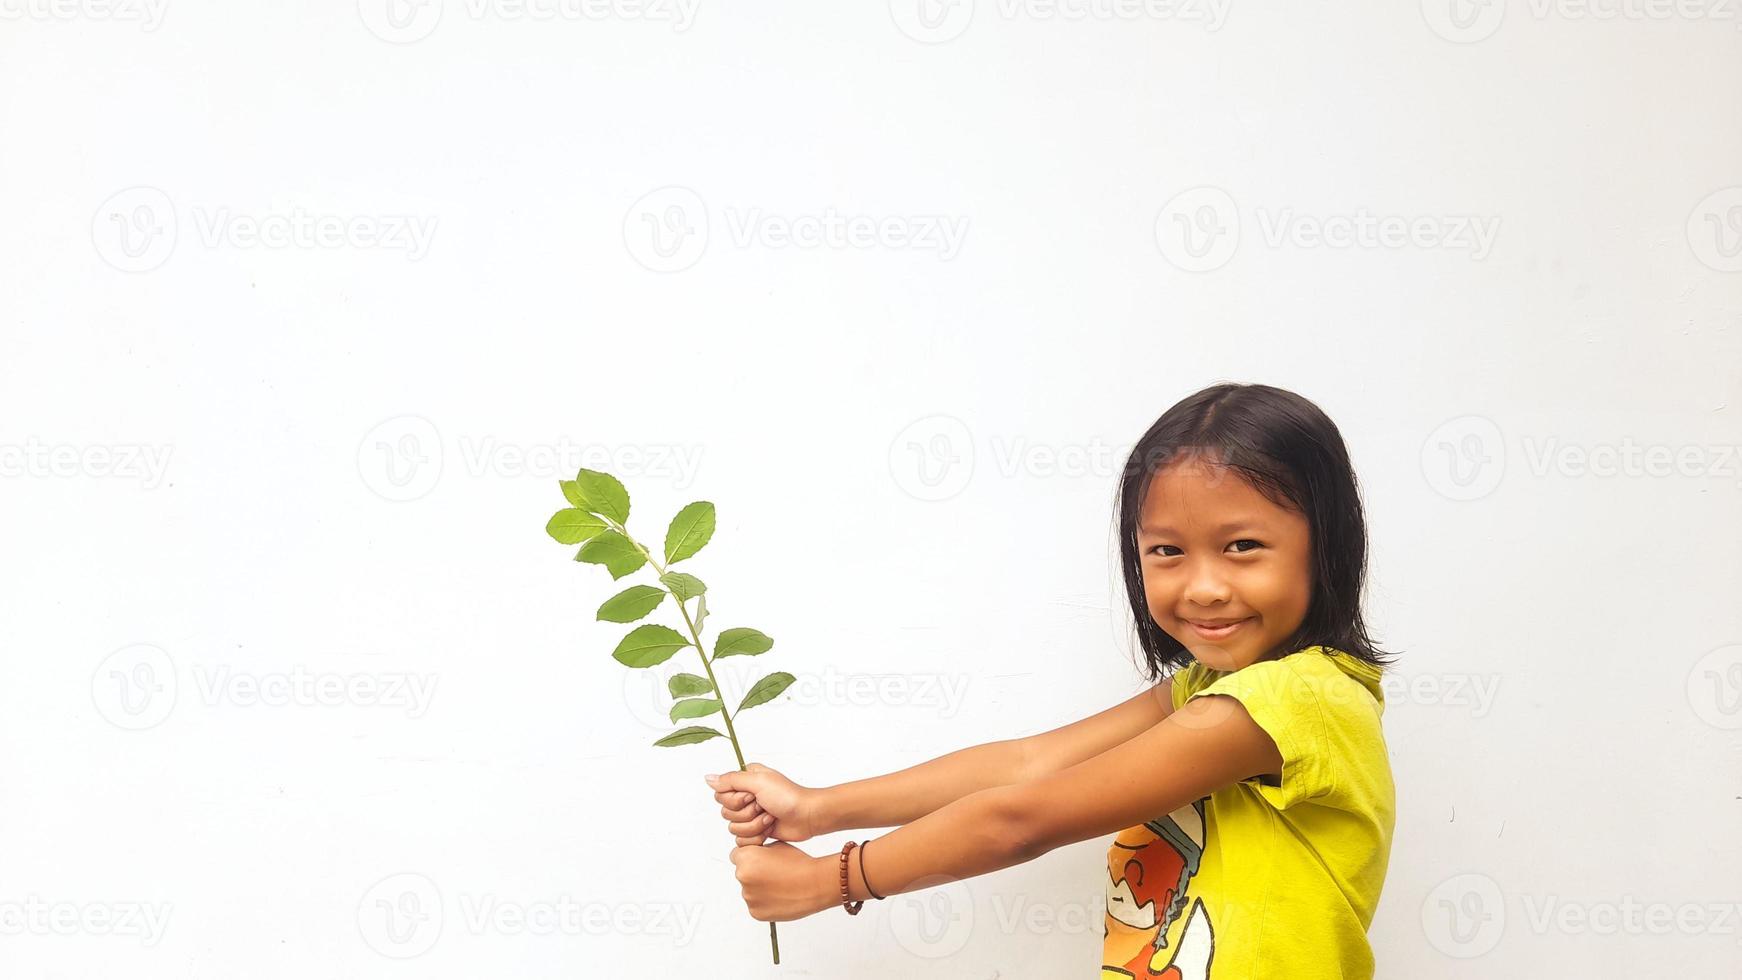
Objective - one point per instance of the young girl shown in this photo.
(1249, 789)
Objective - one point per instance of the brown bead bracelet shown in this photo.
(853, 907)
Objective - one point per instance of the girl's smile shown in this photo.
(1216, 631)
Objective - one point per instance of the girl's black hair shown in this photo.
(1291, 452)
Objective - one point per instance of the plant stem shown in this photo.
(696, 641)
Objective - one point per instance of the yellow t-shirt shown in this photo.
(1259, 881)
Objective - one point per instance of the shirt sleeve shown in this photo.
(1286, 704)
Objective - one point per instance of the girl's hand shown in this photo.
(760, 803)
(782, 883)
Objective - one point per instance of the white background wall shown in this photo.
(352, 445)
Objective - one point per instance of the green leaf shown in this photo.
(694, 708)
(689, 530)
(614, 551)
(684, 685)
(572, 494)
(648, 646)
(689, 736)
(631, 604)
(766, 689)
(603, 495)
(741, 641)
(701, 613)
(683, 585)
(572, 525)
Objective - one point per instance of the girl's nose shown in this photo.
(1206, 590)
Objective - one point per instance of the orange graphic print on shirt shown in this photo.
(1149, 869)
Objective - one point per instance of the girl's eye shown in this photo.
(1254, 543)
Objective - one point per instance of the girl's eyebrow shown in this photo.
(1228, 528)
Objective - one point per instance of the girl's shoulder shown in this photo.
(1323, 674)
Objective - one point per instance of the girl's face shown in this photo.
(1215, 551)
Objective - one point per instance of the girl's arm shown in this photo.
(903, 797)
(1210, 743)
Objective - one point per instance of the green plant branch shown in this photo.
(708, 667)
(695, 641)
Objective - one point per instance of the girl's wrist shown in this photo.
(826, 882)
(820, 811)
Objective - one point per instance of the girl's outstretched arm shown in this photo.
(905, 796)
(1209, 743)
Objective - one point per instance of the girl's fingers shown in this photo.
(746, 828)
(742, 814)
(736, 798)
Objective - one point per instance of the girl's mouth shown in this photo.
(1218, 632)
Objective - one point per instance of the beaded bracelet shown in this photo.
(851, 907)
(854, 907)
